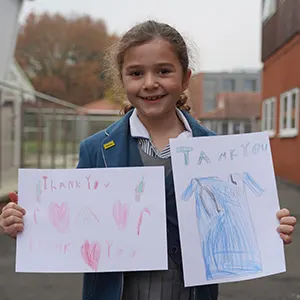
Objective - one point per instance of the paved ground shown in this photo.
(64, 287)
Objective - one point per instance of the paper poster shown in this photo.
(92, 220)
(227, 201)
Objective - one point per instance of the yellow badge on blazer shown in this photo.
(109, 145)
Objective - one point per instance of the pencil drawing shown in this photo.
(86, 217)
(90, 252)
(59, 216)
(139, 190)
(38, 190)
(139, 224)
(120, 214)
(226, 231)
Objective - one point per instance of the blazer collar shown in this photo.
(115, 145)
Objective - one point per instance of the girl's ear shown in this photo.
(186, 79)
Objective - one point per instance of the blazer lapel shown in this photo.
(197, 129)
(119, 148)
(115, 146)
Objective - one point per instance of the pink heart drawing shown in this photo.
(120, 213)
(59, 216)
(90, 253)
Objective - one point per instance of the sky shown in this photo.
(223, 35)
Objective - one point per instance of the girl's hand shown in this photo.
(287, 225)
(11, 218)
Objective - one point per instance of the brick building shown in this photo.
(281, 83)
(204, 88)
(235, 113)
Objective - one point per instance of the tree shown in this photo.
(63, 56)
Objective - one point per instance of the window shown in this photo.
(250, 85)
(214, 126)
(224, 129)
(269, 8)
(269, 116)
(211, 125)
(237, 127)
(229, 85)
(289, 111)
(209, 104)
(248, 127)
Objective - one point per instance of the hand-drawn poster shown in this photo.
(227, 202)
(92, 220)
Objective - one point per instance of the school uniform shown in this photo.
(131, 147)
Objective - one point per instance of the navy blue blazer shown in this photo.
(94, 154)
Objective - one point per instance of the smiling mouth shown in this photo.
(153, 98)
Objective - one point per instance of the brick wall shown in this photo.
(281, 73)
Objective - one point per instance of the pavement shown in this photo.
(15, 286)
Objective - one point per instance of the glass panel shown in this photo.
(285, 108)
(250, 85)
(229, 85)
(214, 126)
(209, 104)
(236, 128)
(265, 116)
(293, 112)
(224, 128)
(247, 127)
(272, 116)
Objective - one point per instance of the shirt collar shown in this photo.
(138, 130)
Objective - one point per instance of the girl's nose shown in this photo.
(150, 82)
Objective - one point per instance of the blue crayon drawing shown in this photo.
(225, 226)
(185, 151)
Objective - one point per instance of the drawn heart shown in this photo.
(59, 216)
(90, 253)
(120, 213)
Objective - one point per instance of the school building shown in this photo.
(205, 87)
(280, 84)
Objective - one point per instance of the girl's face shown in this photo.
(153, 78)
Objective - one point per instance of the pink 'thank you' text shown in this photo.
(51, 185)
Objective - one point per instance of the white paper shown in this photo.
(227, 201)
(92, 220)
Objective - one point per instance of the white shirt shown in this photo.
(139, 131)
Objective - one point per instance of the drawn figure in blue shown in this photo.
(226, 231)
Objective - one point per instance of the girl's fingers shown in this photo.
(283, 213)
(288, 221)
(287, 239)
(12, 212)
(285, 229)
(13, 206)
(11, 220)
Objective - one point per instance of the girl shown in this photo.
(153, 67)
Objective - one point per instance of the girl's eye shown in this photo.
(164, 71)
(136, 73)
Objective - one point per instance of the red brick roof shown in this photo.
(235, 106)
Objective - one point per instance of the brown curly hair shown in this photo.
(138, 35)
